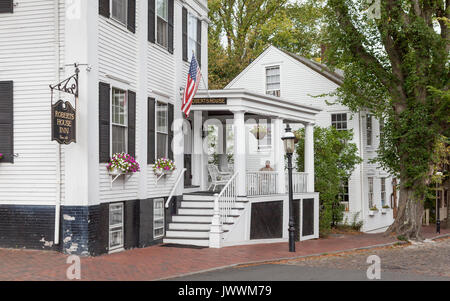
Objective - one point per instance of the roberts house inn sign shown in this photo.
(63, 113)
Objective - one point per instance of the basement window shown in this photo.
(158, 218)
(116, 226)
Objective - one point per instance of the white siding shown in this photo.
(28, 57)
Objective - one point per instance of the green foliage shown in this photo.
(241, 30)
(397, 67)
(335, 159)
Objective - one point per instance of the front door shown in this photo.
(188, 173)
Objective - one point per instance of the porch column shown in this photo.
(197, 157)
(240, 164)
(309, 156)
(278, 150)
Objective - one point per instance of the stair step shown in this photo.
(205, 204)
(187, 241)
(195, 226)
(198, 218)
(204, 211)
(188, 233)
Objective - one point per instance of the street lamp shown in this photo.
(438, 209)
(289, 147)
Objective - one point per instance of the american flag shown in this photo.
(193, 81)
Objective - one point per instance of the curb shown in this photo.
(269, 261)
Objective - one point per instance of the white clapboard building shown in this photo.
(298, 80)
(132, 58)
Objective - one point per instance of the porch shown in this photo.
(236, 189)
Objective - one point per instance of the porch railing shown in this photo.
(225, 202)
(262, 183)
(299, 182)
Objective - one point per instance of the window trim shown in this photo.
(116, 227)
(112, 124)
(189, 54)
(166, 47)
(162, 218)
(370, 184)
(166, 103)
(117, 20)
(369, 130)
(383, 191)
(266, 83)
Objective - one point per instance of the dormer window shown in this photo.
(273, 84)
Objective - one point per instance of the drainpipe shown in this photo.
(58, 146)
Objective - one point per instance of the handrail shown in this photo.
(180, 176)
(228, 184)
(225, 202)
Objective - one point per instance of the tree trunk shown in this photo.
(409, 217)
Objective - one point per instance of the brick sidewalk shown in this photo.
(159, 262)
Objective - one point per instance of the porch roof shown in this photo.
(255, 103)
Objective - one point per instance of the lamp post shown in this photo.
(438, 209)
(289, 147)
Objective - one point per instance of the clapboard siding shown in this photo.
(28, 57)
(161, 71)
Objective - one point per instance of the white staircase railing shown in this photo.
(262, 183)
(174, 189)
(224, 203)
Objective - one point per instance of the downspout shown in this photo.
(58, 146)
(361, 171)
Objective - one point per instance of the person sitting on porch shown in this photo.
(267, 168)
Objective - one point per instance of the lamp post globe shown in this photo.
(289, 147)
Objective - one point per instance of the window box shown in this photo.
(373, 211)
(384, 210)
(163, 167)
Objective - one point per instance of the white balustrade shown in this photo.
(262, 183)
(299, 182)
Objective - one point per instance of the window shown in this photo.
(115, 226)
(119, 10)
(192, 36)
(273, 84)
(162, 130)
(265, 144)
(119, 121)
(344, 195)
(383, 192)
(370, 180)
(162, 21)
(6, 6)
(369, 129)
(339, 121)
(158, 218)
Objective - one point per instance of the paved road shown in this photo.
(428, 261)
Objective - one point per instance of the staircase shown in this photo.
(191, 225)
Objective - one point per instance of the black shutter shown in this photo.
(104, 120)
(6, 122)
(199, 42)
(151, 131)
(151, 21)
(6, 6)
(171, 119)
(131, 23)
(170, 29)
(185, 34)
(132, 123)
(103, 8)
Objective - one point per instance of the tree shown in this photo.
(240, 31)
(334, 161)
(397, 66)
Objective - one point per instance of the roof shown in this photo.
(320, 68)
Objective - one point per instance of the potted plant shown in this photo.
(384, 209)
(163, 166)
(122, 163)
(373, 210)
(259, 131)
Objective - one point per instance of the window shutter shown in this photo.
(170, 29)
(6, 6)
(171, 119)
(199, 42)
(132, 124)
(131, 23)
(104, 120)
(151, 21)
(185, 35)
(151, 132)
(103, 7)
(6, 122)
